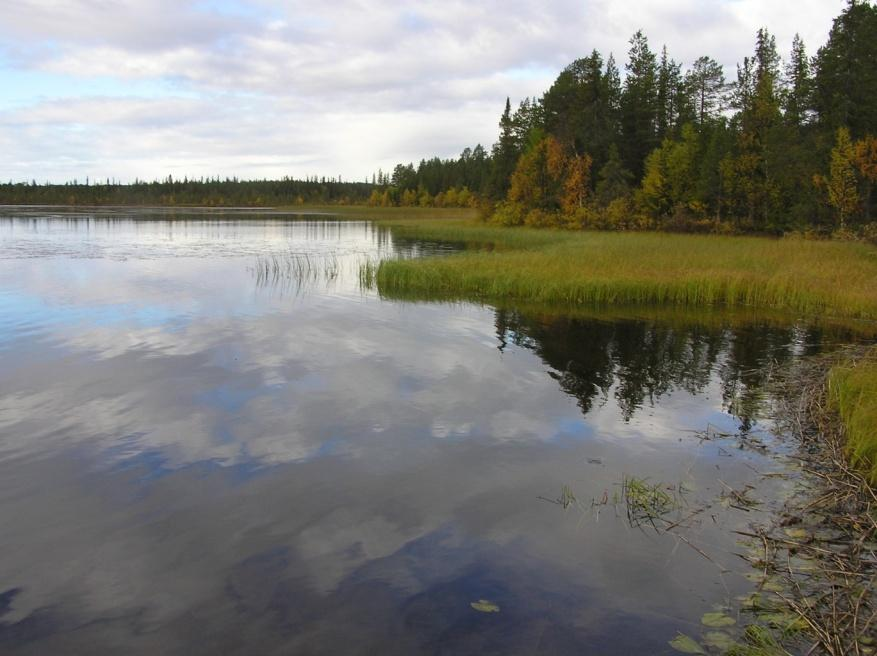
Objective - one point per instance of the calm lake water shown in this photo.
(213, 440)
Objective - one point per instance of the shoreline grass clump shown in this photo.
(852, 392)
(795, 275)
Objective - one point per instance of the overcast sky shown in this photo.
(267, 88)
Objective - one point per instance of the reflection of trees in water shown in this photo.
(639, 361)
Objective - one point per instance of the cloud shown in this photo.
(135, 137)
(269, 87)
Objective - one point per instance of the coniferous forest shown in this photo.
(787, 145)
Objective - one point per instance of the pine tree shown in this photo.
(705, 84)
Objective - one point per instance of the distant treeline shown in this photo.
(229, 192)
(435, 183)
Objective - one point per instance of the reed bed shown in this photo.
(796, 275)
(294, 273)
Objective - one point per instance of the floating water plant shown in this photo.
(646, 502)
(485, 606)
(686, 645)
(717, 620)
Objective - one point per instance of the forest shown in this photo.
(787, 146)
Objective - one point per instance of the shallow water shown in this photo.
(213, 440)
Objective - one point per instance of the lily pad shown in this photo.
(782, 619)
(485, 606)
(797, 533)
(686, 645)
(718, 640)
(773, 585)
(717, 620)
(751, 602)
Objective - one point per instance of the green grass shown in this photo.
(853, 392)
(577, 268)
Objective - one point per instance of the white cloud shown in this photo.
(295, 88)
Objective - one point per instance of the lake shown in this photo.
(215, 439)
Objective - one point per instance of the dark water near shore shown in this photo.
(212, 440)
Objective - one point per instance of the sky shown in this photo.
(144, 89)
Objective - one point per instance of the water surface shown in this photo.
(213, 440)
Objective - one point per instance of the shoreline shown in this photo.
(823, 545)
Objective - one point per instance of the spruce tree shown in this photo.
(799, 84)
(845, 93)
(505, 155)
(639, 105)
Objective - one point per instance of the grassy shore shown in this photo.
(853, 393)
(575, 268)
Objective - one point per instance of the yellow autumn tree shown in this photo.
(538, 179)
(865, 158)
(576, 184)
(843, 193)
(549, 187)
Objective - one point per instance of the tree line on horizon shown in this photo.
(205, 192)
(786, 146)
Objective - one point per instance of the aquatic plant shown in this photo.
(566, 498)
(646, 502)
(758, 641)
